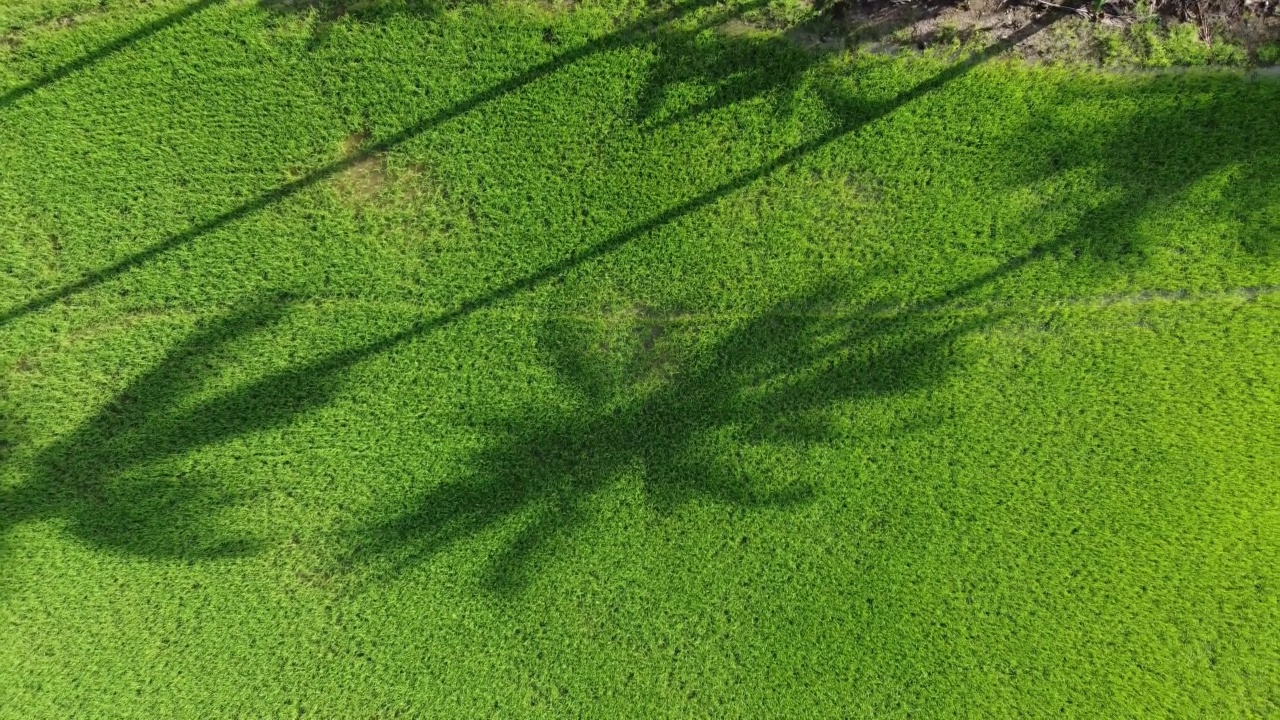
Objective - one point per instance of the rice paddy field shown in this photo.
(609, 360)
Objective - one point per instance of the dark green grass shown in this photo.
(497, 360)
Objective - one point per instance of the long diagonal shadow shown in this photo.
(497, 295)
(105, 51)
(614, 40)
(775, 380)
(84, 465)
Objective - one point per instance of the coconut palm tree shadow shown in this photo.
(679, 422)
(109, 480)
(104, 478)
(730, 68)
(1154, 161)
(738, 61)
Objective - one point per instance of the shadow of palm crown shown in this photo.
(653, 399)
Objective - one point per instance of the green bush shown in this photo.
(1225, 53)
(1113, 49)
(1269, 54)
(1184, 46)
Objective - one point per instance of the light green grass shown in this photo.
(512, 361)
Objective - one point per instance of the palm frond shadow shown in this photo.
(725, 68)
(1148, 176)
(722, 61)
(779, 377)
(97, 478)
(104, 480)
(782, 379)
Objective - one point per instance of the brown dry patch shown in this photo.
(352, 143)
(864, 189)
(70, 20)
(412, 183)
(320, 579)
(370, 179)
(118, 323)
(364, 180)
(817, 37)
(737, 27)
(556, 7)
(327, 11)
(13, 38)
(366, 175)
(816, 41)
(878, 20)
(891, 25)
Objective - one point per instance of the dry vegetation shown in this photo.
(1121, 33)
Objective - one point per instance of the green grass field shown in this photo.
(529, 361)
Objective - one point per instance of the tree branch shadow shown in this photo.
(94, 477)
(850, 116)
(107, 50)
(779, 379)
(1156, 158)
(731, 65)
(102, 478)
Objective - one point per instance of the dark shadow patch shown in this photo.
(1155, 157)
(105, 51)
(739, 65)
(109, 480)
(779, 379)
(102, 477)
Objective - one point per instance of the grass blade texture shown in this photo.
(403, 360)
